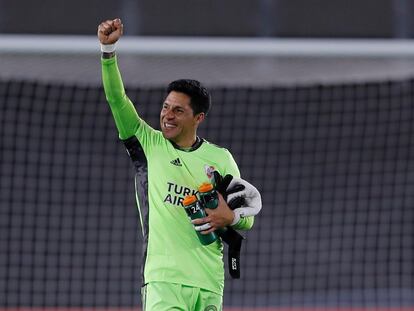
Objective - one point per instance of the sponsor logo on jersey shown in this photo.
(176, 162)
(176, 194)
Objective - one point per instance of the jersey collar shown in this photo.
(199, 141)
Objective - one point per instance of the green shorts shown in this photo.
(160, 296)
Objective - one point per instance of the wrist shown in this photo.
(106, 55)
(108, 48)
(236, 219)
(233, 219)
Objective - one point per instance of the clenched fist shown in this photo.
(110, 31)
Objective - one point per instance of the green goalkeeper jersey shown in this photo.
(165, 174)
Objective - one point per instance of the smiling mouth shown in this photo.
(169, 125)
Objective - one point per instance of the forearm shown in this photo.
(123, 111)
(245, 223)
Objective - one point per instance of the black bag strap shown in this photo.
(234, 241)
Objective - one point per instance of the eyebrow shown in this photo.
(175, 107)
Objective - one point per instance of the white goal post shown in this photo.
(69, 44)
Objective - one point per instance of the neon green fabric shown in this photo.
(160, 296)
(245, 223)
(125, 115)
(173, 252)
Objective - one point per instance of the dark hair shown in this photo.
(200, 97)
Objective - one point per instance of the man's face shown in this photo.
(178, 123)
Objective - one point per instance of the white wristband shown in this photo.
(107, 48)
(236, 218)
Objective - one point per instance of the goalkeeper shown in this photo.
(179, 273)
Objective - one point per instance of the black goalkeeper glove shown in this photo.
(241, 196)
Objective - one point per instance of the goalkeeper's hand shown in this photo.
(110, 31)
(241, 196)
(217, 218)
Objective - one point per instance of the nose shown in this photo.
(168, 114)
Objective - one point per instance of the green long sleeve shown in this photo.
(245, 223)
(126, 117)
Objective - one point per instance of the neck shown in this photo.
(186, 144)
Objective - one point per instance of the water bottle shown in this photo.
(208, 196)
(209, 199)
(195, 210)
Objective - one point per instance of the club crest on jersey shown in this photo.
(209, 170)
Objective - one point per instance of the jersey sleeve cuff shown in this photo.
(108, 61)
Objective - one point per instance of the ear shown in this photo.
(200, 117)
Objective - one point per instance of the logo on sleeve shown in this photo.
(176, 162)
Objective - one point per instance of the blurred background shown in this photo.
(313, 98)
(261, 18)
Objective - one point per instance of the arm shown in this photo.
(126, 118)
(241, 202)
(224, 216)
(245, 223)
(221, 217)
(239, 223)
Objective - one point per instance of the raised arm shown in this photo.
(125, 115)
